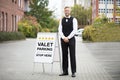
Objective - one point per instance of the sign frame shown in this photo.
(56, 39)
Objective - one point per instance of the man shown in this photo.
(67, 29)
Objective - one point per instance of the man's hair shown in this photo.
(66, 7)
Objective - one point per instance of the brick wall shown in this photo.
(10, 13)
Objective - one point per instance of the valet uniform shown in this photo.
(67, 28)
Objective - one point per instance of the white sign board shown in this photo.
(45, 47)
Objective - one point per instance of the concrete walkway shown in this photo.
(108, 54)
(16, 63)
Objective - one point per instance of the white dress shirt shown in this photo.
(75, 26)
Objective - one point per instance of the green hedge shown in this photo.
(6, 36)
(105, 33)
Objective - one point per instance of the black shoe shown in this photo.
(73, 75)
(63, 74)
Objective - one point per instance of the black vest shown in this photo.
(67, 26)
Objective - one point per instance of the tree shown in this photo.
(83, 15)
(89, 15)
(40, 11)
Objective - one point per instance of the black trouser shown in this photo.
(71, 46)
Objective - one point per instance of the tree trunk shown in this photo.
(114, 10)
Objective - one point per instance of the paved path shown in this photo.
(16, 63)
(108, 54)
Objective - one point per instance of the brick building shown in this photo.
(11, 11)
(106, 7)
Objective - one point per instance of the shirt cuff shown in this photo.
(69, 37)
(63, 37)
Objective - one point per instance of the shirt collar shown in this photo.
(68, 16)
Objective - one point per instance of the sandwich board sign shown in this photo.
(45, 47)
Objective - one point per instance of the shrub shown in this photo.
(87, 33)
(102, 30)
(29, 26)
(102, 34)
(100, 21)
(6, 36)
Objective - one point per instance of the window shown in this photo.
(15, 21)
(104, 1)
(109, 10)
(2, 21)
(109, 1)
(6, 21)
(20, 3)
(118, 2)
(12, 23)
(101, 1)
(13, 1)
(101, 10)
(117, 20)
(104, 10)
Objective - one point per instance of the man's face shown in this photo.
(67, 12)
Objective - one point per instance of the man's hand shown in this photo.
(66, 39)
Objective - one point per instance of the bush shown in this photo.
(100, 21)
(87, 33)
(29, 26)
(6, 36)
(102, 34)
(102, 30)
